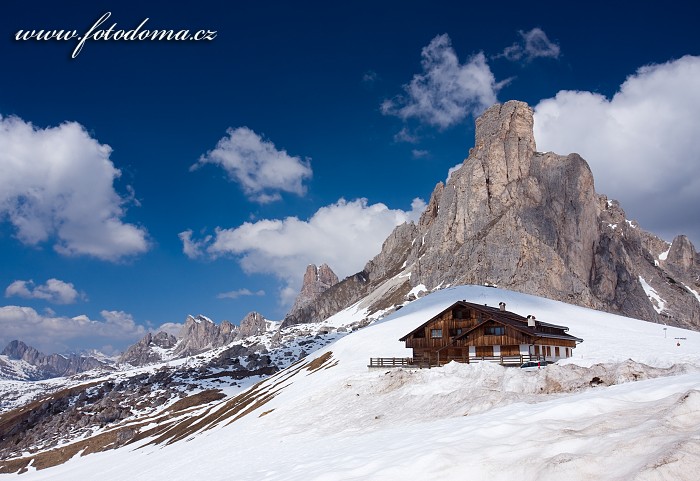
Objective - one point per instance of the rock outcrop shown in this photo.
(252, 325)
(531, 222)
(143, 353)
(317, 280)
(198, 334)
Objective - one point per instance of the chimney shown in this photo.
(502, 306)
(531, 321)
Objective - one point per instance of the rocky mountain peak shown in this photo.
(505, 142)
(316, 281)
(527, 221)
(682, 254)
(143, 353)
(252, 324)
(18, 350)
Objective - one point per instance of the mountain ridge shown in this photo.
(531, 222)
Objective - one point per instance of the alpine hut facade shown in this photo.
(468, 332)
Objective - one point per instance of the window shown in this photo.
(494, 330)
(549, 351)
(456, 332)
(556, 351)
(420, 334)
(436, 333)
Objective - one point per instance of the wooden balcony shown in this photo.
(391, 362)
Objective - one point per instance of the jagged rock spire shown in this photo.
(530, 222)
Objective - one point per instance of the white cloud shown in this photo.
(405, 135)
(54, 290)
(173, 328)
(533, 44)
(447, 91)
(239, 293)
(642, 145)
(57, 184)
(420, 154)
(57, 333)
(192, 249)
(345, 235)
(261, 170)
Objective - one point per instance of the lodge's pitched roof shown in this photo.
(506, 318)
(422, 326)
(525, 329)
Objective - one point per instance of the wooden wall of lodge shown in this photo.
(449, 325)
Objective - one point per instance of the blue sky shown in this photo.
(142, 181)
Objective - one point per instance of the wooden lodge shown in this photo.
(467, 332)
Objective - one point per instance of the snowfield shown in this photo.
(625, 407)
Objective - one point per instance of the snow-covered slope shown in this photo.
(626, 406)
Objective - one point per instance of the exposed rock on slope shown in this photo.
(530, 222)
(252, 325)
(198, 334)
(317, 280)
(143, 353)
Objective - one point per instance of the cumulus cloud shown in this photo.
(54, 290)
(239, 293)
(345, 235)
(258, 166)
(56, 184)
(50, 333)
(405, 135)
(642, 145)
(173, 328)
(192, 248)
(533, 44)
(446, 92)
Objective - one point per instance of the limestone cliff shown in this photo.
(530, 222)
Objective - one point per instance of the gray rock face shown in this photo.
(682, 256)
(200, 333)
(52, 365)
(197, 335)
(252, 325)
(19, 350)
(317, 280)
(143, 353)
(530, 222)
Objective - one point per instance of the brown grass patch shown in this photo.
(317, 363)
(266, 413)
(204, 397)
(57, 456)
